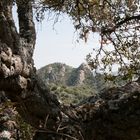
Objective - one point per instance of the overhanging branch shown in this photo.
(127, 19)
(118, 24)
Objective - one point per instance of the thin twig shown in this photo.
(46, 121)
(56, 133)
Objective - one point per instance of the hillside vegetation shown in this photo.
(72, 85)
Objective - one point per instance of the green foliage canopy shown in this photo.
(118, 24)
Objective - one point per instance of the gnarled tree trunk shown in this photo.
(114, 114)
(17, 72)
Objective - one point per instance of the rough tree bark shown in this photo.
(113, 114)
(17, 72)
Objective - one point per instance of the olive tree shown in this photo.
(114, 113)
(117, 23)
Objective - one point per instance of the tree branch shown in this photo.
(8, 32)
(26, 24)
(127, 19)
(118, 24)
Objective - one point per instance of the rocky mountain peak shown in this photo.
(84, 66)
(59, 73)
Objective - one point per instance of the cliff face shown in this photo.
(81, 76)
(56, 73)
(62, 74)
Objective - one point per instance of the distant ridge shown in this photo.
(62, 74)
(72, 85)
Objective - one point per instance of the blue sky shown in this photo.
(57, 43)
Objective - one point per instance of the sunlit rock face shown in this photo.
(63, 74)
(83, 75)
